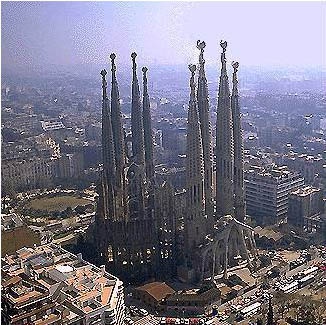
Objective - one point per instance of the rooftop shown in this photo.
(32, 274)
(305, 191)
(158, 290)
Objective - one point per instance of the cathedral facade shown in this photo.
(139, 231)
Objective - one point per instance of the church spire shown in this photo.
(205, 126)
(136, 118)
(107, 136)
(117, 127)
(224, 144)
(239, 202)
(194, 222)
(148, 138)
(107, 153)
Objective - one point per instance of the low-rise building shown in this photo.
(47, 284)
(193, 302)
(154, 294)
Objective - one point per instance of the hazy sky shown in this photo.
(258, 33)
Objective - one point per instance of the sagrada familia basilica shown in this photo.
(140, 231)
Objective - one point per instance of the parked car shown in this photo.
(143, 312)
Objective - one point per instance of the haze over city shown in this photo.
(35, 34)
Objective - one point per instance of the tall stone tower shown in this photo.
(239, 202)
(119, 149)
(194, 219)
(205, 127)
(137, 128)
(136, 171)
(107, 150)
(224, 145)
(120, 159)
(148, 138)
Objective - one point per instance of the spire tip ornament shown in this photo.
(144, 69)
(103, 73)
(192, 68)
(112, 56)
(133, 55)
(235, 65)
(201, 45)
(224, 45)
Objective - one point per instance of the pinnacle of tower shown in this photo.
(117, 127)
(104, 84)
(193, 129)
(201, 46)
(194, 171)
(107, 152)
(224, 144)
(107, 136)
(112, 57)
(136, 118)
(148, 139)
(239, 202)
(205, 126)
(235, 66)
(134, 66)
(224, 81)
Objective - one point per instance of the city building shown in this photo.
(267, 191)
(71, 164)
(47, 284)
(305, 202)
(31, 162)
(309, 166)
(154, 294)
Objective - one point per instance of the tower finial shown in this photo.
(201, 46)
(133, 57)
(144, 70)
(145, 90)
(224, 45)
(104, 83)
(112, 57)
(235, 66)
(103, 73)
